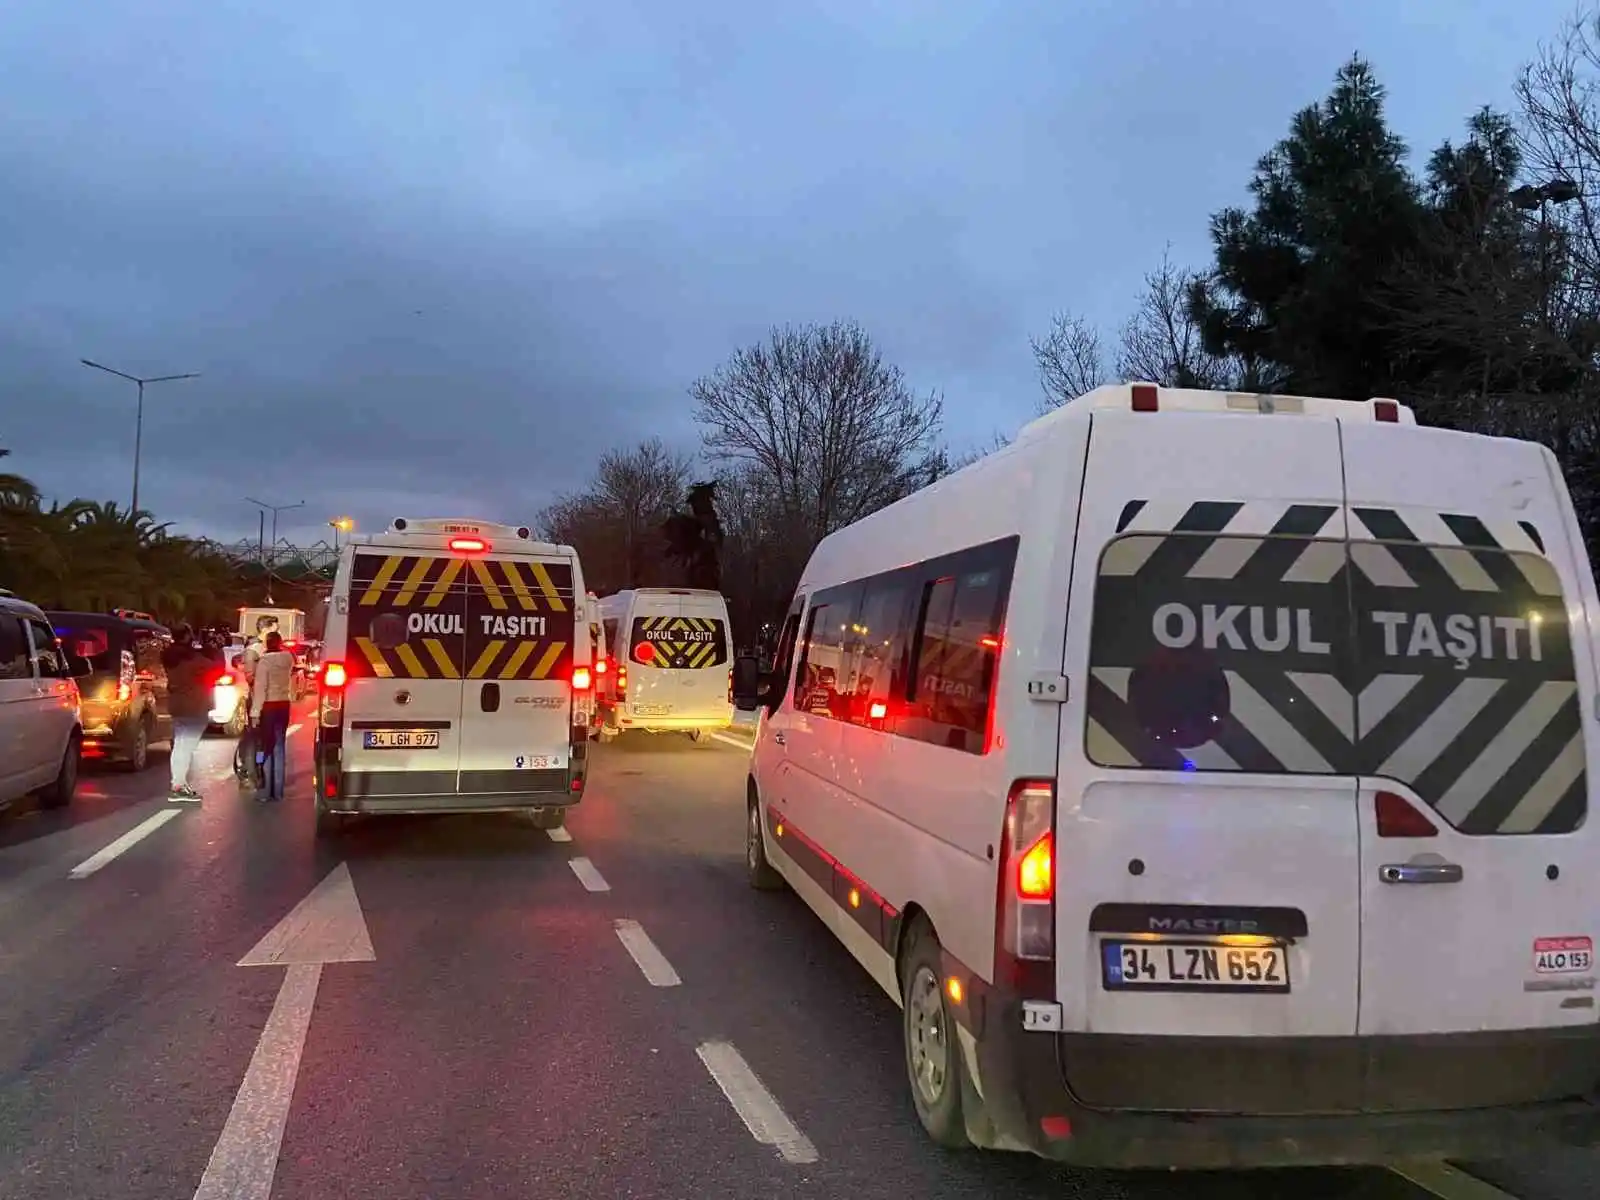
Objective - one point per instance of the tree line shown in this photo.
(1466, 288)
(92, 556)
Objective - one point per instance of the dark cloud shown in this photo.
(435, 261)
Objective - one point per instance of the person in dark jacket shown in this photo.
(191, 675)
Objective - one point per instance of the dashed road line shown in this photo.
(733, 741)
(559, 835)
(657, 970)
(588, 875)
(126, 842)
(1449, 1182)
(760, 1111)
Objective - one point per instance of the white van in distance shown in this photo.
(457, 675)
(674, 662)
(1206, 776)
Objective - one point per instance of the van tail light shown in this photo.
(1399, 818)
(225, 680)
(622, 678)
(601, 666)
(730, 685)
(582, 679)
(1387, 411)
(1025, 941)
(330, 696)
(125, 677)
(124, 692)
(1146, 397)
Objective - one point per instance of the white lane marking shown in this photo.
(126, 842)
(246, 1155)
(588, 875)
(326, 926)
(1450, 1182)
(757, 1107)
(559, 835)
(294, 729)
(657, 970)
(733, 741)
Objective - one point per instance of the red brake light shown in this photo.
(877, 710)
(333, 675)
(468, 545)
(581, 680)
(989, 642)
(1386, 410)
(622, 677)
(1036, 870)
(1146, 398)
(124, 692)
(224, 680)
(644, 652)
(1397, 817)
(600, 667)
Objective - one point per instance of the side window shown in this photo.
(783, 658)
(816, 679)
(881, 637)
(956, 649)
(15, 659)
(47, 652)
(147, 655)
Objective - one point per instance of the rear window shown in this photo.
(100, 645)
(1445, 668)
(679, 643)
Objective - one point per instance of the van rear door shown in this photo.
(1206, 816)
(521, 631)
(1469, 601)
(679, 659)
(407, 638)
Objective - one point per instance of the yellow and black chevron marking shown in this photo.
(427, 581)
(415, 616)
(683, 643)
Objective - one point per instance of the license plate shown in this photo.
(1193, 967)
(651, 710)
(400, 739)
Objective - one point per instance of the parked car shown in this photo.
(124, 696)
(40, 734)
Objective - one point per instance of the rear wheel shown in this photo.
(933, 1054)
(59, 793)
(548, 818)
(763, 876)
(697, 736)
(136, 753)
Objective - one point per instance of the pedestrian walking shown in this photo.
(191, 675)
(270, 701)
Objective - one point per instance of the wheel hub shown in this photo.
(929, 1044)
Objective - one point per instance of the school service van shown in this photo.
(456, 677)
(674, 668)
(1206, 776)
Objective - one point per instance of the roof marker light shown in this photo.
(1387, 411)
(1146, 397)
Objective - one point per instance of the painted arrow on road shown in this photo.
(325, 927)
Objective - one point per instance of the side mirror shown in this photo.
(80, 666)
(746, 684)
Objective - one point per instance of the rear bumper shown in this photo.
(1031, 1081)
(398, 792)
(623, 719)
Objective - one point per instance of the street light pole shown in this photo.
(138, 424)
(274, 509)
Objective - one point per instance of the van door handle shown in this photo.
(1421, 873)
(779, 738)
(489, 697)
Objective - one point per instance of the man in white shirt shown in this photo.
(271, 697)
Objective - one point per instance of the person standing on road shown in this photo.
(191, 675)
(250, 759)
(270, 701)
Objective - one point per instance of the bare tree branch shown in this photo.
(1069, 359)
(1161, 343)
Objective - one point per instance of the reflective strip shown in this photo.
(441, 586)
(441, 658)
(546, 585)
(413, 581)
(486, 659)
(490, 588)
(374, 657)
(380, 581)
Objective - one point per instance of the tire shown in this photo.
(137, 755)
(548, 818)
(239, 722)
(697, 736)
(932, 1047)
(608, 734)
(60, 791)
(761, 873)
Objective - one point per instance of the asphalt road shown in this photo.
(467, 1007)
